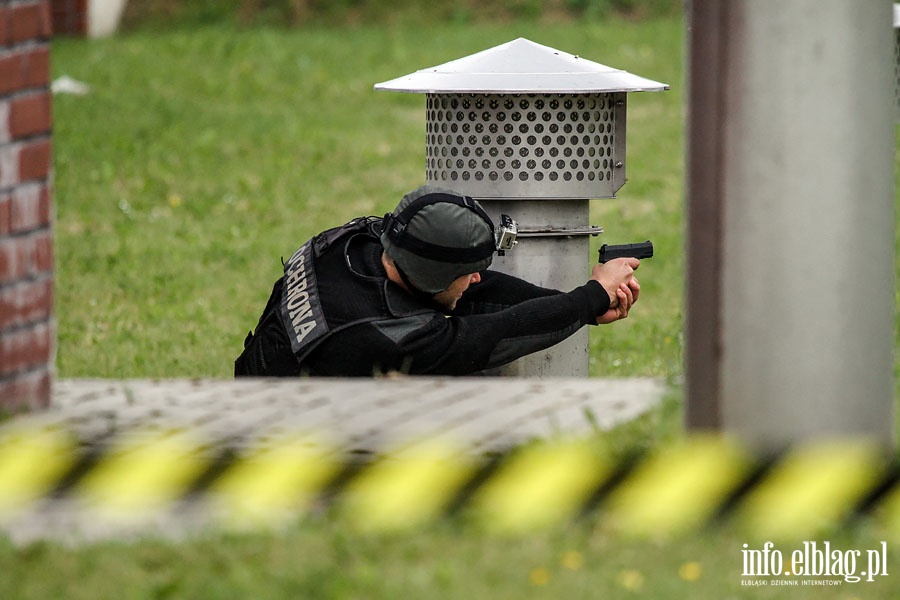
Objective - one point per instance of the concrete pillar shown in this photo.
(790, 279)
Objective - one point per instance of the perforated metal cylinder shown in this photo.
(527, 145)
(519, 127)
(539, 158)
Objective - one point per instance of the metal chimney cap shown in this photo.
(521, 66)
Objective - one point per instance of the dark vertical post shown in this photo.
(707, 72)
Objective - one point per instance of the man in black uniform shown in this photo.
(409, 293)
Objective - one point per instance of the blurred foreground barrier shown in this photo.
(694, 483)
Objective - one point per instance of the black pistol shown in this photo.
(640, 250)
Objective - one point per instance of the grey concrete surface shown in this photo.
(355, 416)
(483, 414)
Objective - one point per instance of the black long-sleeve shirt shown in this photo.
(495, 322)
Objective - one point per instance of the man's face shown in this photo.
(449, 297)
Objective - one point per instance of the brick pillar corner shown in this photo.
(27, 328)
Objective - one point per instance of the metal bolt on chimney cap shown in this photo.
(521, 66)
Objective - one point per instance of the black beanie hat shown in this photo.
(437, 235)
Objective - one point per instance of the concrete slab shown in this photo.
(484, 414)
(357, 416)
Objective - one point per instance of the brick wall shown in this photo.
(27, 331)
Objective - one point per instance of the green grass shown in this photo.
(328, 559)
(165, 14)
(200, 158)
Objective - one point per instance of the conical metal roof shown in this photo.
(521, 66)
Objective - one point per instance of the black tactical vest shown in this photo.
(322, 295)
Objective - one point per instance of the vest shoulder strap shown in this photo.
(301, 305)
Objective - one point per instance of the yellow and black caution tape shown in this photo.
(540, 485)
(692, 484)
(680, 489)
(408, 486)
(32, 463)
(274, 483)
